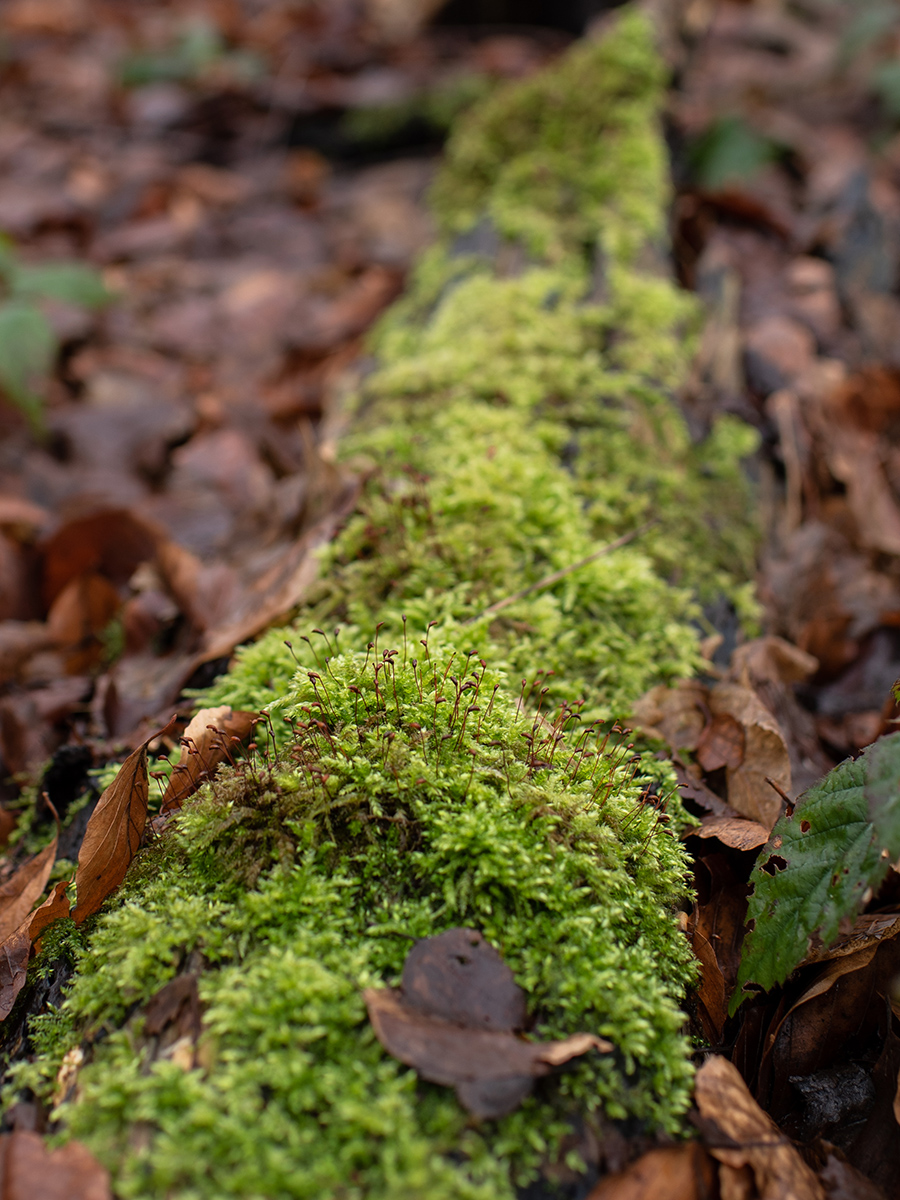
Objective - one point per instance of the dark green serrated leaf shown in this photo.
(883, 793)
(27, 347)
(74, 283)
(831, 853)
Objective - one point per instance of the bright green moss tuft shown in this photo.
(410, 799)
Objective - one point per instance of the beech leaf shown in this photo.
(30, 1171)
(453, 1021)
(18, 894)
(14, 955)
(748, 1137)
(114, 833)
(204, 745)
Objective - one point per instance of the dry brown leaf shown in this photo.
(14, 955)
(765, 755)
(54, 908)
(672, 1173)
(21, 890)
(721, 743)
(734, 832)
(205, 743)
(29, 1171)
(492, 1071)
(114, 833)
(675, 714)
(749, 1137)
(454, 1018)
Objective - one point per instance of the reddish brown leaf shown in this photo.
(721, 743)
(752, 1138)
(14, 954)
(205, 743)
(29, 1171)
(20, 891)
(765, 754)
(112, 543)
(716, 930)
(54, 908)
(114, 833)
(683, 1172)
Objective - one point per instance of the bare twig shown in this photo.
(549, 580)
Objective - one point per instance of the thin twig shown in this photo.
(549, 580)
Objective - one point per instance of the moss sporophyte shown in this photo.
(521, 417)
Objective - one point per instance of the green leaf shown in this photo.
(72, 282)
(883, 793)
(832, 850)
(730, 150)
(27, 347)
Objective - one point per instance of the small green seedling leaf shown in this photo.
(730, 151)
(73, 283)
(27, 347)
(819, 862)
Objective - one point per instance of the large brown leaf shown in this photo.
(205, 743)
(18, 894)
(749, 1137)
(114, 833)
(683, 1172)
(453, 1021)
(15, 950)
(29, 1171)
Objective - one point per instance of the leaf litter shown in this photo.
(190, 476)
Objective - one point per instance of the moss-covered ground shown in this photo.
(522, 414)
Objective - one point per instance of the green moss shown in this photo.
(391, 816)
(521, 416)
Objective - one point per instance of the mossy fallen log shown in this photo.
(522, 415)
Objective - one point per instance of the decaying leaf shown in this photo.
(735, 832)
(20, 891)
(54, 908)
(14, 955)
(675, 714)
(29, 1171)
(749, 1137)
(449, 1023)
(683, 1172)
(716, 930)
(205, 743)
(114, 833)
(721, 744)
(765, 754)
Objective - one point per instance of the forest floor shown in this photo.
(250, 181)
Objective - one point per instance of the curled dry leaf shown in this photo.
(683, 1172)
(734, 832)
(453, 1021)
(205, 743)
(54, 908)
(749, 1137)
(765, 754)
(18, 894)
(721, 743)
(675, 714)
(14, 955)
(113, 833)
(29, 1170)
(491, 1071)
